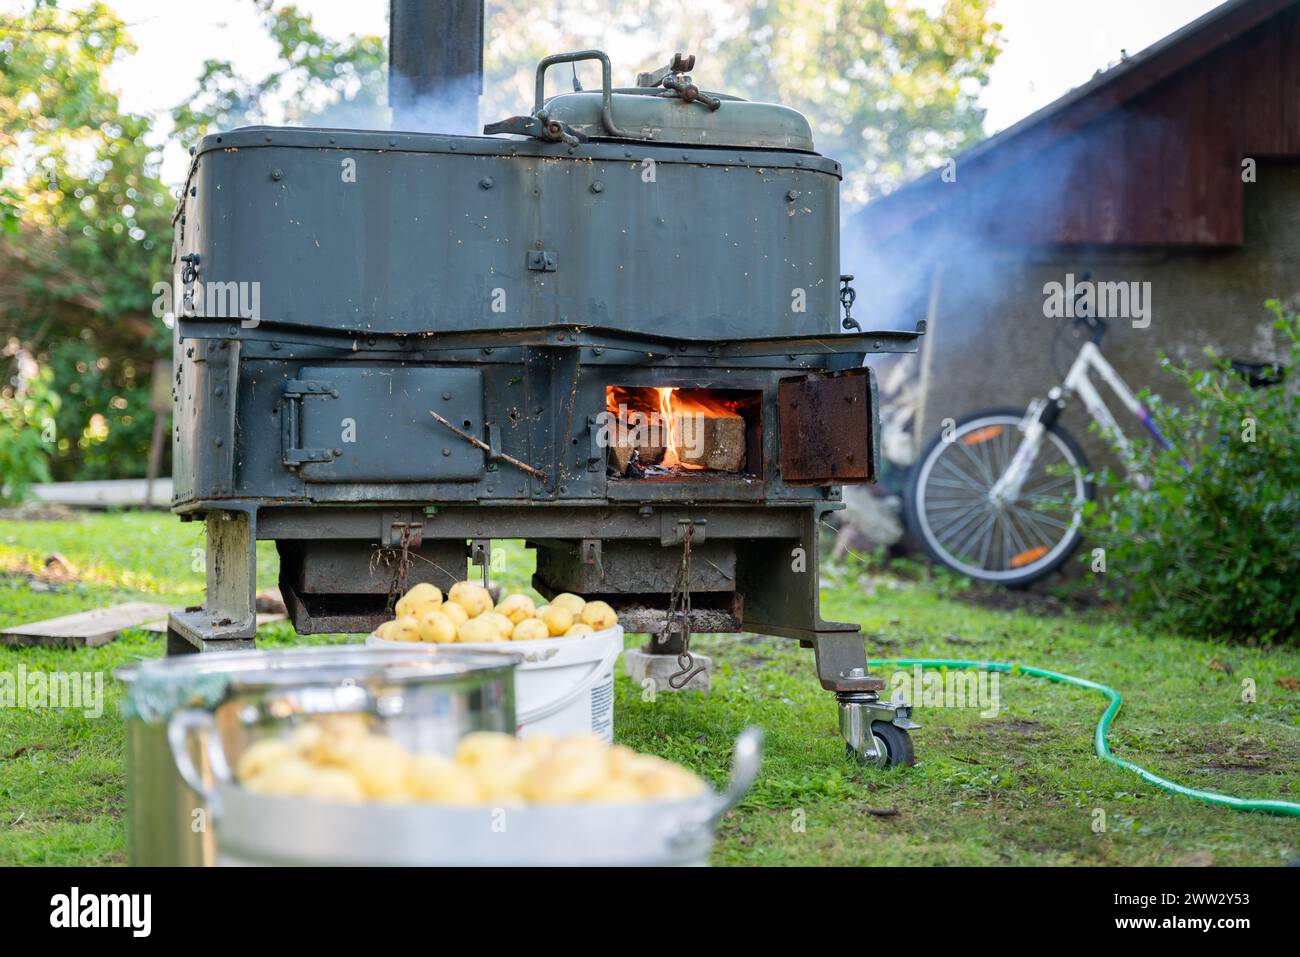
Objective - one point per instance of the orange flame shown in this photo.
(668, 406)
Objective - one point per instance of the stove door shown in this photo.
(372, 424)
(829, 428)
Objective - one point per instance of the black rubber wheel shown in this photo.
(898, 743)
(1011, 577)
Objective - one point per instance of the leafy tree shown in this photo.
(318, 81)
(86, 230)
(890, 89)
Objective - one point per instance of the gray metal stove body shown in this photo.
(341, 285)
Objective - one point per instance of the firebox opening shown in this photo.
(683, 432)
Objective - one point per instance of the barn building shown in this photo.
(1173, 173)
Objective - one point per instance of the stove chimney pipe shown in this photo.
(435, 64)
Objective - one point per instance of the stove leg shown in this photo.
(227, 620)
(874, 731)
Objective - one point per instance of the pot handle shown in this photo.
(194, 721)
(745, 762)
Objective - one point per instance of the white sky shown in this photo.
(1050, 47)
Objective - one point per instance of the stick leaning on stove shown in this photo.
(492, 453)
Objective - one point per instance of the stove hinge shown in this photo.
(295, 390)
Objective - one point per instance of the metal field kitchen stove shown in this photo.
(611, 328)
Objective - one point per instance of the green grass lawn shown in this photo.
(1021, 787)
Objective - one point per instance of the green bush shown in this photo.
(1212, 546)
(28, 406)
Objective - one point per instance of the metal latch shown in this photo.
(295, 390)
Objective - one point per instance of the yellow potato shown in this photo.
(481, 747)
(475, 599)
(381, 767)
(530, 629)
(261, 755)
(385, 631)
(435, 778)
(657, 778)
(517, 608)
(306, 739)
(333, 784)
(500, 779)
(418, 600)
(289, 778)
(340, 734)
(478, 631)
(577, 629)
(620, 757)
(570, 601)
(558, 620)
(616, 791)
(599, 615)
(406, 628)
(453, 611)
(562, 779)
(500, 622)
(437, 628)
(537, 746)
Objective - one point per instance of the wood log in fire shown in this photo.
(710, 440)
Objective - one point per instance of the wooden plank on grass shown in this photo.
(159, 627)
(87, 629)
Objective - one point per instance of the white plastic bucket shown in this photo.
(564, 685)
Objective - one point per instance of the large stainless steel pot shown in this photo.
(266, 829)
(427, 698)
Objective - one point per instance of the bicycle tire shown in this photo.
(919, 525)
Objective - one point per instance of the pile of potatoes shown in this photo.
(338, 758)
(469, 617)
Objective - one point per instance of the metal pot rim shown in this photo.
(293, 665)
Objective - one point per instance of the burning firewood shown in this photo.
(710, 440)
(623, 455)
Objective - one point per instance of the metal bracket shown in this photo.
(494, 444)
(590, 551)
(595, 450)
(673, 529)
(542, 260)
(480, 555)
(394, 523)
(295, 390)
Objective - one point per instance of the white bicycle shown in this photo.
(998, 495)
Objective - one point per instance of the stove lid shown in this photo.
(662, 116)
(665, 107)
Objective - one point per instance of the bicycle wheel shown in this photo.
(1011, 543)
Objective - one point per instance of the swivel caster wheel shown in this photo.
(876, 732)
(894, 742)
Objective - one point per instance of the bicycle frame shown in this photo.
(1077, 382)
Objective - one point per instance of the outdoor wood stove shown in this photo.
(615, 333)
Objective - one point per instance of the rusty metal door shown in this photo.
(829, 428)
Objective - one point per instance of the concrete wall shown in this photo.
(989, 343)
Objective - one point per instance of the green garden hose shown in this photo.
(1289, 808)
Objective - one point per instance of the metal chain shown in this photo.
(679, 618)
(398, 587)
(848, 296)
